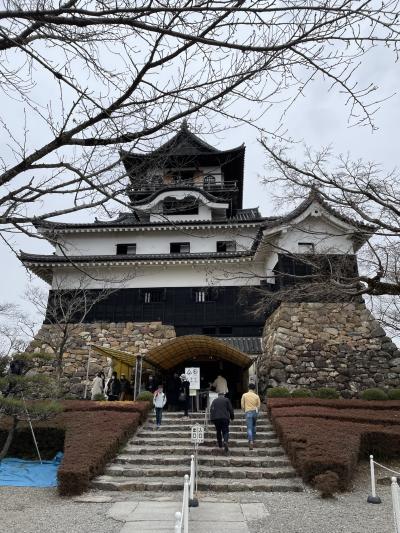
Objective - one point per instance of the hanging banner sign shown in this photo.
(193, 376)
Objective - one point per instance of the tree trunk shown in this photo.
(9, 438)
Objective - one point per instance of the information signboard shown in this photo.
(193, 376)
(197, 434)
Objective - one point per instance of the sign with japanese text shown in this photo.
(197, 434)
(193, 376)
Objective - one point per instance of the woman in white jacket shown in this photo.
(97, 386)
(159, 400)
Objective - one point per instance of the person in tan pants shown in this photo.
(251, 405)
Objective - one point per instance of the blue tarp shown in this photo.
(20, 473)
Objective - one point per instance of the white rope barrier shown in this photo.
(388, 469)
(373, 498)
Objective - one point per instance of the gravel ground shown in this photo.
(27, 510)
(43, 511)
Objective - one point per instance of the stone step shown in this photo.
(201, 420)
(187, 427)
(162, 471)
(155, 433)
(150, 449)
(221, 460)
(234, 443)
(204, 484)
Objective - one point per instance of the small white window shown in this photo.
(306, 248)
(200, 295)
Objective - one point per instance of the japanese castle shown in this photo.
(187, 253)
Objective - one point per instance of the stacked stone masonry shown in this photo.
(340, 345)
(136, 338)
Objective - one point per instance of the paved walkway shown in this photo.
(152, 517)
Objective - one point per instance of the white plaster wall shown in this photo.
(155, 242)
(230, 274)
(205, 213)
(327, 238)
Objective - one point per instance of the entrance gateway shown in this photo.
(211, 355)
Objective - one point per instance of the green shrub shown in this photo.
(326, 393)
(393, 394)
(327, 483)
(99, 397)
(145, 396)
(301, 393)
(278, 392)
(374, 394)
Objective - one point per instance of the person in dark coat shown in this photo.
(125, 388)
(151, 385)
(184, 397)
(221, 413)
(113, 388)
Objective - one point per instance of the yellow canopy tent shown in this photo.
(122, 362)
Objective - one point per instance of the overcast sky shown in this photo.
(319, 118)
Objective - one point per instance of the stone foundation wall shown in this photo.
(312, 345)
(137, 338)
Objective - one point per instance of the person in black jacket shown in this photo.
(221, 413)
(184, 397)
(113, 388)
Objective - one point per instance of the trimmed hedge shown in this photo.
(146, 396)
(326, 393)
(373, 394)
(90, 433)
(329, 436)
(92, 439)
(124, 407)
(301, 393)
(278, 392)
(393, 394)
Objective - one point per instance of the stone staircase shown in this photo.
(157, 459)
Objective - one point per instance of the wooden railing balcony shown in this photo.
(148, 188)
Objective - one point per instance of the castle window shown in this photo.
(306, 247)
(186, 206)
(126, 249)
(209, 331)
(153, 295)
(205, 294)
(226, 246)
(179, 247)
(209, 181)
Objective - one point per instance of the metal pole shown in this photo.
(396, 504)
(87, 371)
(186, 504)
(178, 522)
(373, 498)
(192, 477)
(195, 466)
(30, 425)
(138, 376)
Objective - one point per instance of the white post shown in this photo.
(192, 477)
(186, 504)
(373, 498)
(87, 370)
(396, 504)
(178, 522)
(372, 468)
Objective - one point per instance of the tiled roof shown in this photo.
(61, 259)
(315, 196)
(249, 345)
(143, 219)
